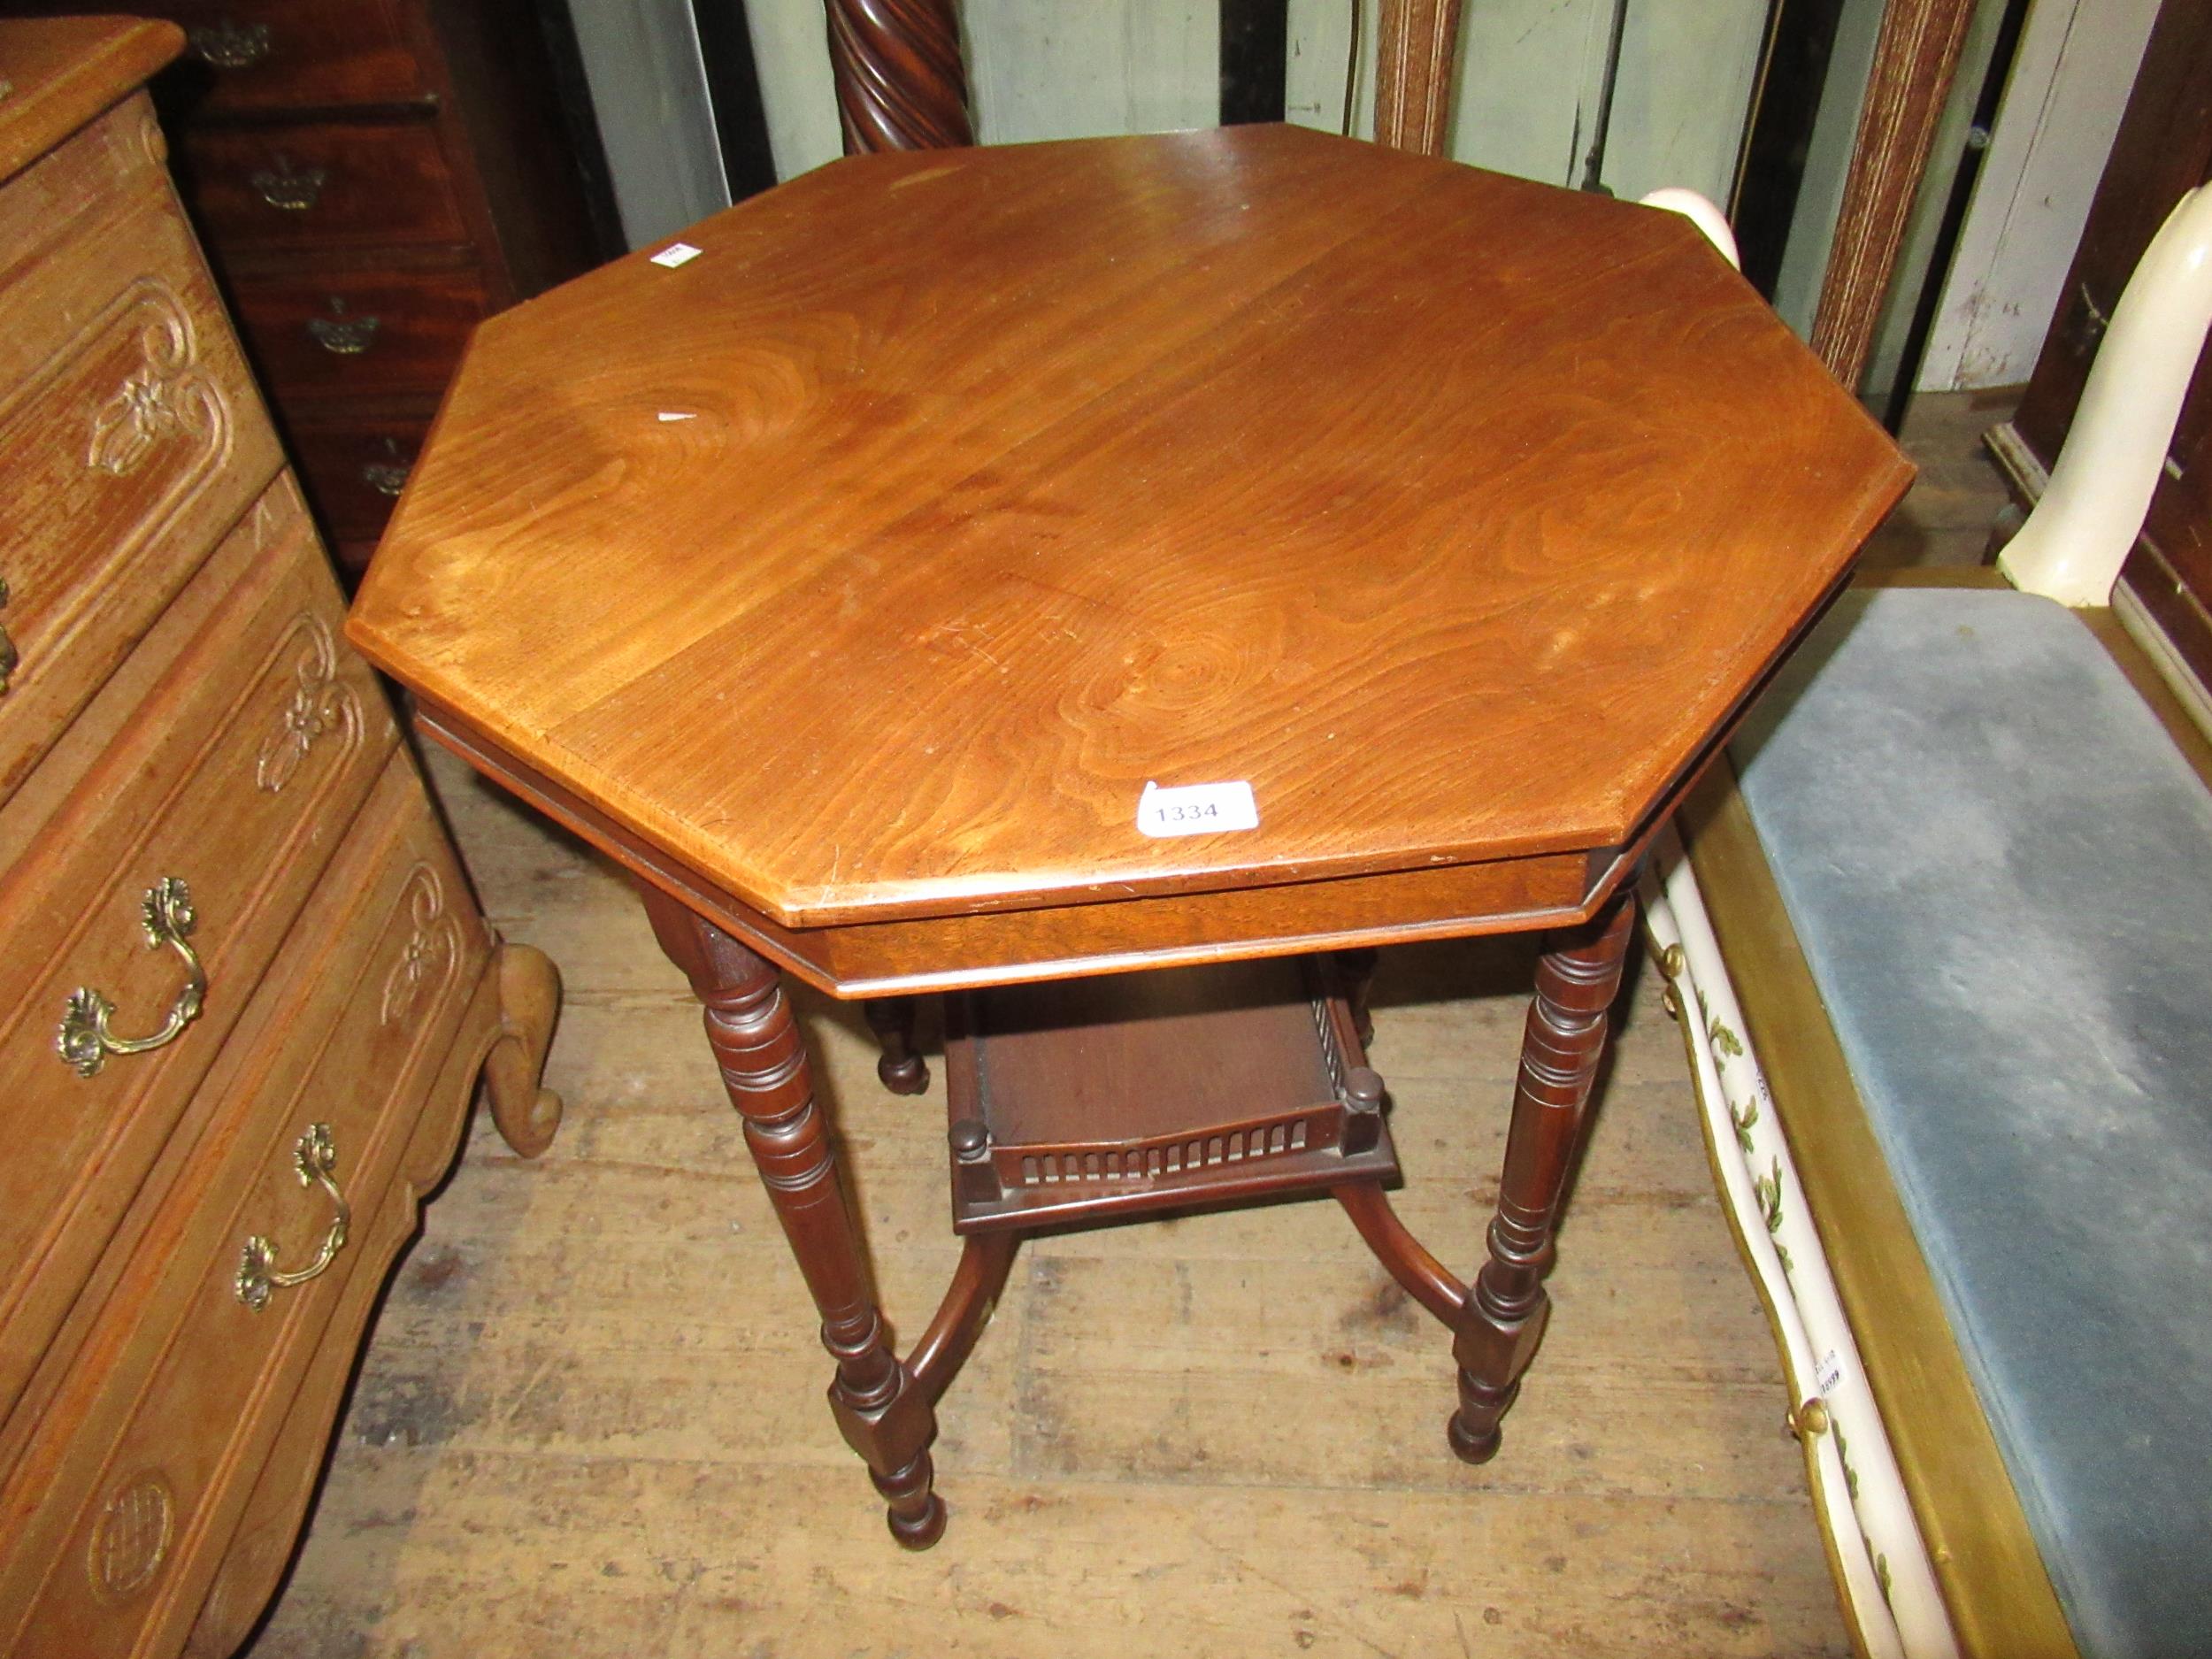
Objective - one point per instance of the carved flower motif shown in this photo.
(429, 954)
(318, 706)
(130, 423)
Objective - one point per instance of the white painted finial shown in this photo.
(2073, 544)
(1700, 211)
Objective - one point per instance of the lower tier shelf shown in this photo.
(1108, 1097)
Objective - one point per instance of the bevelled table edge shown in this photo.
(872, 950)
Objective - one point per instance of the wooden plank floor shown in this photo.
(1944, 520)
(590, 1418)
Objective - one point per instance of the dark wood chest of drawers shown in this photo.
(370, 178)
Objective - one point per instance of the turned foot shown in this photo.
(915, 1512)
(524, 1112)
(902, 1069)
(1472, 1448)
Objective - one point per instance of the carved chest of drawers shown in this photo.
(370, 177)
(245, 991)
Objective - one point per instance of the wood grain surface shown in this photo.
(1413, 75)
(1453, 512)
(1915, 56)
(62, 71)
(901, 83)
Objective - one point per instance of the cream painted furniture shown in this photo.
(1943, 945)
(2085, 523)
(245, 991)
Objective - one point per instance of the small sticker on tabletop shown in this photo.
(1196, 808)
(675, 254)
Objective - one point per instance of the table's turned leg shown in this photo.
(1503, 1316)
(902, 1069)
(884, 1415)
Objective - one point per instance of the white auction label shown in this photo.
(1828, 1375)
(1196, 808)
(675, 254)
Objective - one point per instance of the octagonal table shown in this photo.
(879, 583)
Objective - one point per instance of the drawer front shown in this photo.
(264, 55)
(131, 436)
(255, 744)
(140, 1478)
(331, 185)
(353, 473)
(355, 333)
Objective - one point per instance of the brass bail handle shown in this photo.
(84, 1040)
(227, 45)
(314, 1159)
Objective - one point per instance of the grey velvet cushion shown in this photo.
(2000, 870)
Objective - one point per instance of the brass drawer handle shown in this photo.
(290, 189)
(11, 659)
(84, 1040)
(346, 336)
(228, 45)
(388, 476)
(314, 1158)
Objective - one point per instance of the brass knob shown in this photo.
(1808, 1419)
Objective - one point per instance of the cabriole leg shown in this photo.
(1503, 1317)
(884, 1415)
(525, 1112)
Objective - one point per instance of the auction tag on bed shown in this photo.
(675, 254)
(1196, 808)
(1828, 1375)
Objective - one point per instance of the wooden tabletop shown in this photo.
(870, 563)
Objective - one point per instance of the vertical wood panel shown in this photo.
(1924, 234)
(1915, 57)
(1685, 90)
(2054, 130)
(1313, 83)
(1827, 164)
(1415, 74)
(791, 45)
(1079, 68)
(1530, 74)
(650, 91)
